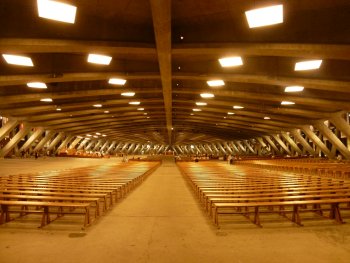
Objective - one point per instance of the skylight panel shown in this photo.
(56, 10)
(18, 60)
(308, 65)
(265, 16)
(99, 59)
(230, 62)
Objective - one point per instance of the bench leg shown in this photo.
(335, 213)
(45, 218)
(256, 216)
(296, 216)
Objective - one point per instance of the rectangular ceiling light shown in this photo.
(216, 83)
(134, 103)
(18, 60)
(308, 65)
(140, 109)
(238, 107)
(267, 118)
(37, 85)
(97, 105)
(46, 100)
(265, 16)
(128, 94)
(230, 113)
(56, 10)
(106, 111)
(287, 103)
(294, 89)
(230, 62)
(196, 109)
(115, 81)
(201, 103)
(99, 59)
(207, 95)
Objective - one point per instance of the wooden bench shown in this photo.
(6, 206)
(296, 205)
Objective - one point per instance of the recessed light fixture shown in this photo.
(147, 117)
(140, 109)
(207, 95)
(308, 65)
(230, 113)
(97, 133)
(201, 103)
(224, 117)
(215, 83)
(104, 135)
(265, 16)
(58, 109)
(230, 61)
(294, 89)
(237, 107)
(106, 111)
(95, 136)
(196, 109)
(37, 85)
(88, 135)
(97, 105)
(172, 128)
(116, 81)
(191, 114)
(46, 100)
(18, 60)
(267, 118)
(99, 59)
(145, 113)
(287, 103)
(181, 37)
(134, 103)
(56, 11)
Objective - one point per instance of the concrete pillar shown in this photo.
(280, 142)
(55, 141)
(317, 141)
(44, 140)
(13, 142)
(31, 139)
(333, 139)
(7, 128)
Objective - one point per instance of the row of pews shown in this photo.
(88, 191)
(248, 191)
(317, 166)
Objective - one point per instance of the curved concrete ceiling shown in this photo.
(167, 51)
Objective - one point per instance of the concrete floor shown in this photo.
(161, 221)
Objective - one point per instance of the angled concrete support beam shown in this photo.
(81, 145)
(249, 146)
(228, 147)
(98, 144)
(179, 149)
(160, 149)
(111, 147)
(65, 142)
(273, 145)
(241, 146)
(44, 140)
(13, 142)
(261, 141)
(55, 141)
(124, 147)
(234, 147)
(130, 148)
(104, 146)
(76, 141)
(31, 139)
(291, 143)
(9, 126)
(341, 125)
(317, 141)
(221, 148)
(89, 146)
(280, 142)
(303, 142)
(333, 139)
(136, 148)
